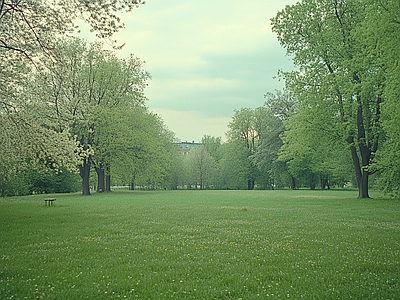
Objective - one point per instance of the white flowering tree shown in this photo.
(28, 32)
(85, 85)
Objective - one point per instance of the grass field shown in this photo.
(201, 245)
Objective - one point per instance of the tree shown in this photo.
(201, 166)
(277, 109)
(234, 166)
(243, 127)
(382, 36)
(212, 145)
(30, 28)
(29, 31)
(178, 173)
(140, 149)
(82, 88)
(335, 74)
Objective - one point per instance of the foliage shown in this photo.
(139, 147)
(201, 167)
(29, 31)
(382, 34)
(31, 181)
(245, 128)
(200, 244)
(234, 166)
(178, 173)
(277, 108)
(313, 148)
(29, 28)
(212, 145)
(84, 89)
(338, 76)
(15, 185)
(53, 182)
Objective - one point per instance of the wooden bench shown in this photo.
(49, 201)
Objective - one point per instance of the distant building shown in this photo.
(185, 147)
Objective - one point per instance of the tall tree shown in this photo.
(382, 36)
(201, 166)
(140, 149)
(212, 145)
(234, 166)
(30, 28)
(28, 34)
(82, 87)
(277, 109)
(314, 149)
(335, 73)
(243, 127)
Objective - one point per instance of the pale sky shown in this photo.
(206, 58)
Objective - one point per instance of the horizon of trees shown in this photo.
(345, 124)
(70, 107)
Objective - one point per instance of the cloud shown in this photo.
(192, 125)
(206, 59)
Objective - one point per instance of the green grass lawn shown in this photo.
(201, 245)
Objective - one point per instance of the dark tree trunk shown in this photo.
(293, 186)
(312, 184)
(361, 174)
(363, 192)
(108, 183)
(100, 179)
(132, 185)
(108, 179)
(250, 184)
(365, 155)
(357, 168)
(325, 182)
(84, 171)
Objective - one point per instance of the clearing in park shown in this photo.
(201, 245)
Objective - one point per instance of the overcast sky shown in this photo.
(206, 58)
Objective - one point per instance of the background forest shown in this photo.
(74, 115)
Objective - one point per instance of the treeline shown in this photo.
(97, 100)
(255, 156)
(346, 86)
(70, 109)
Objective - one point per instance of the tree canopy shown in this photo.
(29, 42)
(338, 77)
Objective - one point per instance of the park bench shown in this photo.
(49, 201)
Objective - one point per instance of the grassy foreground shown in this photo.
(200, 245)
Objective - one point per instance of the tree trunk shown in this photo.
(108, 179)
(100, 179)
(312, 184)
(108, 183)
(363, 193)
(132, 185)
(250, 184)
(293, 186)
(361, 175)
(365, 153)
(84, 171)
